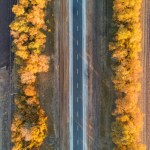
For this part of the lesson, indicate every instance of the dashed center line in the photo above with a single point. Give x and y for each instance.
(77, 99)
(77, 114)
(77, 57)
(77, 13)
(77, 85)
(77, 43)
(77, 142)
(77, 71)
(77, 28)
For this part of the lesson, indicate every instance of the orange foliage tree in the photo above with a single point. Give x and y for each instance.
(29, 127)
(125, 48)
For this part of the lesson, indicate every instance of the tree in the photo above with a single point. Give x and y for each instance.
(29, 124)
(37, 63)
(28, 78)
(125, 48)
(30, 90)
(18, 10)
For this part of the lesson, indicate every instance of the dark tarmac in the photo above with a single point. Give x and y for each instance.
(77, 76)
(6, 18)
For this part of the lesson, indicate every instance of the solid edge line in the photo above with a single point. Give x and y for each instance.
(84, 76)
(71, 74)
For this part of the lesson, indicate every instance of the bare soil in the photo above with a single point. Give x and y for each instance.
(46, 83)
(5, 109)
(101, 95)
(62, 45)
(56, 83)
(145, 96)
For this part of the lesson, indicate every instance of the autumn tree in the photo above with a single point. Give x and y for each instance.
(125, 48)
(29, 127)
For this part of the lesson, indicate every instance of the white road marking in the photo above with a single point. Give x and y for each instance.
(77, 43)
(77, 142)
(77, 13)
(77, 1)
(77, 56)
(77, 28)
(77, 114)
(77, 99)
(77, 85)
(77, 71)
(77, 128)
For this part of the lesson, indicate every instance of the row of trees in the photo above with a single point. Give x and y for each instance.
(28, 29)
(125, 48)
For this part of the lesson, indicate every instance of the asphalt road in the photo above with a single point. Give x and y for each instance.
(77, 76)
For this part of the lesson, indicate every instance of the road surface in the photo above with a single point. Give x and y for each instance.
(78, 75)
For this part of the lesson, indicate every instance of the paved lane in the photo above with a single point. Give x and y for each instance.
(77, 76)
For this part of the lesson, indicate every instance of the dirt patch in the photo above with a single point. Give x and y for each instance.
(62, 45)
(101, 96)
(5, 109)
(145, 96)
(54, 85)
(46, 82)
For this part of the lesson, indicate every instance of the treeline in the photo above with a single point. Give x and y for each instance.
(29, 127)
(126, 48)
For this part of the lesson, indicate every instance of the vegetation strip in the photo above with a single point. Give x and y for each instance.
(125, 48)
(29, 127)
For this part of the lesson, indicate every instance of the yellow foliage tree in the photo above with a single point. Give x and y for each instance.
(30, 90)
(125, 48)
(18, 10)
(28, 78)
(29, 127)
